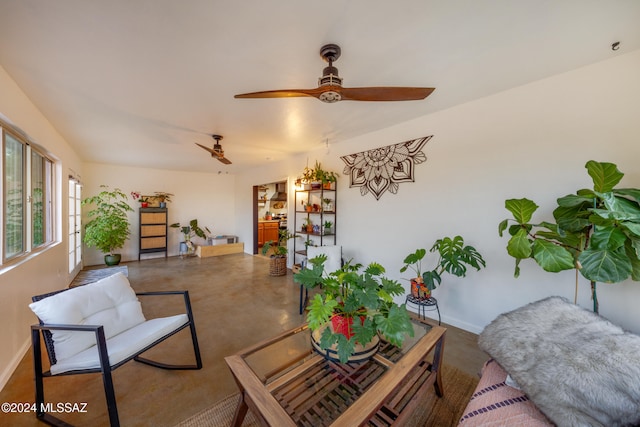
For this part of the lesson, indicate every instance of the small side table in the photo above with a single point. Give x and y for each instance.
(422, 304)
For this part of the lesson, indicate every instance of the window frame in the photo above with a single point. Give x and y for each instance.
(29, 213)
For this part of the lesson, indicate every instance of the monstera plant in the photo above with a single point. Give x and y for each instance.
(596, 231)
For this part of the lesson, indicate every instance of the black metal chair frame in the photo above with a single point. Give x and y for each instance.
(105, 368)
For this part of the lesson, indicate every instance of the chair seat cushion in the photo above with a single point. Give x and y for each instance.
(123, 345)
(110, 302)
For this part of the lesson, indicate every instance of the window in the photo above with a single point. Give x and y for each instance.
(27, 195)
(14, 197)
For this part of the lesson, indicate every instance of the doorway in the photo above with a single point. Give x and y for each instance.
(269, 212)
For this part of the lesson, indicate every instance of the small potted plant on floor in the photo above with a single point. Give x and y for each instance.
(354, 306)
(278, 258)
(189, 231)
(453, 258)
(108, 228)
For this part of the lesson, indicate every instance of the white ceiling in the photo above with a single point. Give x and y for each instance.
(138, 82)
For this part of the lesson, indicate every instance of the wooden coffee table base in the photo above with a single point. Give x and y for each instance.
(313, 391)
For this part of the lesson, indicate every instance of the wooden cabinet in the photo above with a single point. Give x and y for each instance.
(271, 231)
(153, 230)
(268, 231)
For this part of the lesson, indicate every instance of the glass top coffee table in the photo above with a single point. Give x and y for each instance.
(286, 383)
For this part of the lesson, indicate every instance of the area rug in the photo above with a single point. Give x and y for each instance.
(434, 411)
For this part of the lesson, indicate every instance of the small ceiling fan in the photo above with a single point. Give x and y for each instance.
(217, 150)
(330, 87)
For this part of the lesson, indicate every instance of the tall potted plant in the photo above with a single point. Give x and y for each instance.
(353, 293)
(453, 257)
(108, 228)
(597, 231)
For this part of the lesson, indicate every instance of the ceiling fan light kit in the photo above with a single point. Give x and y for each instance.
(330, 87)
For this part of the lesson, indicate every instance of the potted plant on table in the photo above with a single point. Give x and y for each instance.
(597, 231)
(353, 293)
(278, 259)
(108, 228)
(189, 231)
(453, 258)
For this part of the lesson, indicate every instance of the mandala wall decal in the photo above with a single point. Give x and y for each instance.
(384, 168)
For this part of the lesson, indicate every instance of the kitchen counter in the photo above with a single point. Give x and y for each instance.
(268, 220)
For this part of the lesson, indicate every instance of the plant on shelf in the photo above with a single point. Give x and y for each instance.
(306, 206)
(453, 258)
(162, 197)
(317, 176)
(327, 205)
(143, 200)
(108, 228)
(597, 231)
(307, 225)
(307, 243)
(327, 227)
(191, 230)
(353, 293)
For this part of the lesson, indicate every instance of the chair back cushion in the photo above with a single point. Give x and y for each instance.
(110, 302)
(333, 253)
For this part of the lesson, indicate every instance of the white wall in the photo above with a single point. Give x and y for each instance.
(46, 270)
(532, 141)
(209, 198)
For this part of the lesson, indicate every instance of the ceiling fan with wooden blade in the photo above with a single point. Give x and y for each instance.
(330, 87)
(217, 150)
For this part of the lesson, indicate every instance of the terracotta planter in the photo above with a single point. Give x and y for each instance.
(419, 290)
(144, 204)
(309, 228)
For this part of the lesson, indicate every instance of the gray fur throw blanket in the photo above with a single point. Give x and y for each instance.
(577, 367)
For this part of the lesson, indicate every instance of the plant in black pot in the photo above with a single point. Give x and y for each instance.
(453, 257)
(108, 227)
(353, 306)
(597, 231)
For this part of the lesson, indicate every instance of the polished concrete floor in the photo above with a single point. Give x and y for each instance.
(235, 304)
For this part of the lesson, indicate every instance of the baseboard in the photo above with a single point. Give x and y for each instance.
(13, 365)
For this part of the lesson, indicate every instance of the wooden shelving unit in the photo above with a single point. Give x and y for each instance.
(153, 230)
(317, 216)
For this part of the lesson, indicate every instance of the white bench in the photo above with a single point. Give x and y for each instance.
(97, 328)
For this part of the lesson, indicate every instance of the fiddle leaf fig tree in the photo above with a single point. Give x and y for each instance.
(596, 231)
